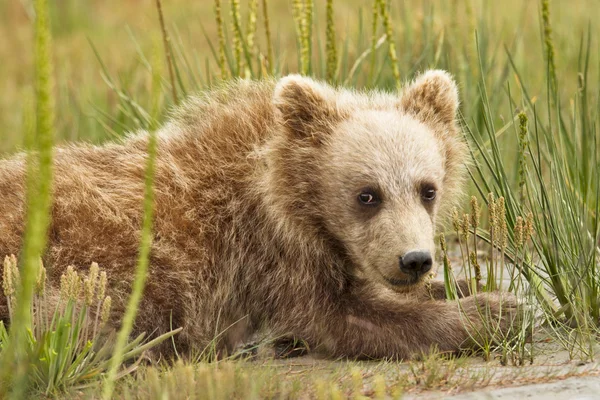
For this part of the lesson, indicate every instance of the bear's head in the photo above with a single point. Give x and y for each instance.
(370, 173)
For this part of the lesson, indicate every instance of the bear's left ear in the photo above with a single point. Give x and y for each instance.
(308, 108)
(432, 98)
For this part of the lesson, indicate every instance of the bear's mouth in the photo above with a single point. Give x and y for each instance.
(412, 280)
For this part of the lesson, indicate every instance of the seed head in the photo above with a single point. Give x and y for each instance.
(64, 287)
(491, 209)
(389, 31)
(89, 284)
(475, 264)
(102, 286)
(445, 251)
(330, 46)
(475, 211)
(16, 275)
(519, 232)
(237, 37)
(105, 309)
(88, 291)
(528, 227)
(501, 219)
(251, 24)
(7, 278)
(221, 35)
(455, 220)
(10, 276)
(443, 243)
(72, 283)
(464, 228)
(40, 284)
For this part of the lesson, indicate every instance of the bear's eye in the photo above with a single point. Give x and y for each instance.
(368, 197)
(428, 193)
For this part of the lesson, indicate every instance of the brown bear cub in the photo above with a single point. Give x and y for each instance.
(287, 206)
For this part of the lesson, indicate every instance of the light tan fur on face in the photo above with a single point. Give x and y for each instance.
(253, 228)
(396, 154)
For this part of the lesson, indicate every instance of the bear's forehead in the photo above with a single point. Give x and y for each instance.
(387, 146)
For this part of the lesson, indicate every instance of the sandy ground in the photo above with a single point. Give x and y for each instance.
(580, 388)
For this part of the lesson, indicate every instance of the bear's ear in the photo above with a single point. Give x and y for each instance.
(308, 108)
(432, 98)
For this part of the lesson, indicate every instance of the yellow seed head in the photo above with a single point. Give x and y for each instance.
(40, 284)
(455, 220)
(549, 44)
(330, 46)
(221, 34)
(105, 309)
(502, 227)
(443, 243)
(476, 266)
(64, 287)
(88, 291)
(102, 285)
(11, 280)
(491, 209)
(94, 271)
(251, 25)
(519, 232)
(445, 251)
(268, 35)
(90, 283)
(14, 267)
(464, 227)
(73, 282)
(7, 283)
(475, 211)
(528, 227)
(389, 31)
(237, 37)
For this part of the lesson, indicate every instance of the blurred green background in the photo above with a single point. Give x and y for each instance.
(427, 33)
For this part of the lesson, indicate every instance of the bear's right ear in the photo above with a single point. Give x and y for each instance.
(308, 108)
(432, 97)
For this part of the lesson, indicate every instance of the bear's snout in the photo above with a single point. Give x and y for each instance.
(416, 262)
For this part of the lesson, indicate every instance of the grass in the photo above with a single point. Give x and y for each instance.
(529, 109)
(39, 139)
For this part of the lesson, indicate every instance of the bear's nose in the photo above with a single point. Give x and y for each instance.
(416, 261)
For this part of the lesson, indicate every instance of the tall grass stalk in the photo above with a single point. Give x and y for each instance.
(303, 10)
(251, 25)
(389, 31)
(331, 49)
(167, 44)
(309, 7)
(221, 36)
(39, 199)
(270, 64)
(237, 36)
(141, 272)
(374, 26)
(548, 43)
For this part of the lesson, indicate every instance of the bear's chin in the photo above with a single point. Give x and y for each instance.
(404, 282)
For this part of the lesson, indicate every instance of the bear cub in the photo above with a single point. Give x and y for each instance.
(288, 206)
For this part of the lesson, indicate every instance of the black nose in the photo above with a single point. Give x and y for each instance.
(417, 261)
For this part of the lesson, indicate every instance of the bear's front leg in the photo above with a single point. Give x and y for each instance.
(365, 326)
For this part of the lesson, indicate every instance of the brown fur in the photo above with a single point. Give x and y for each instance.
(256, 223)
